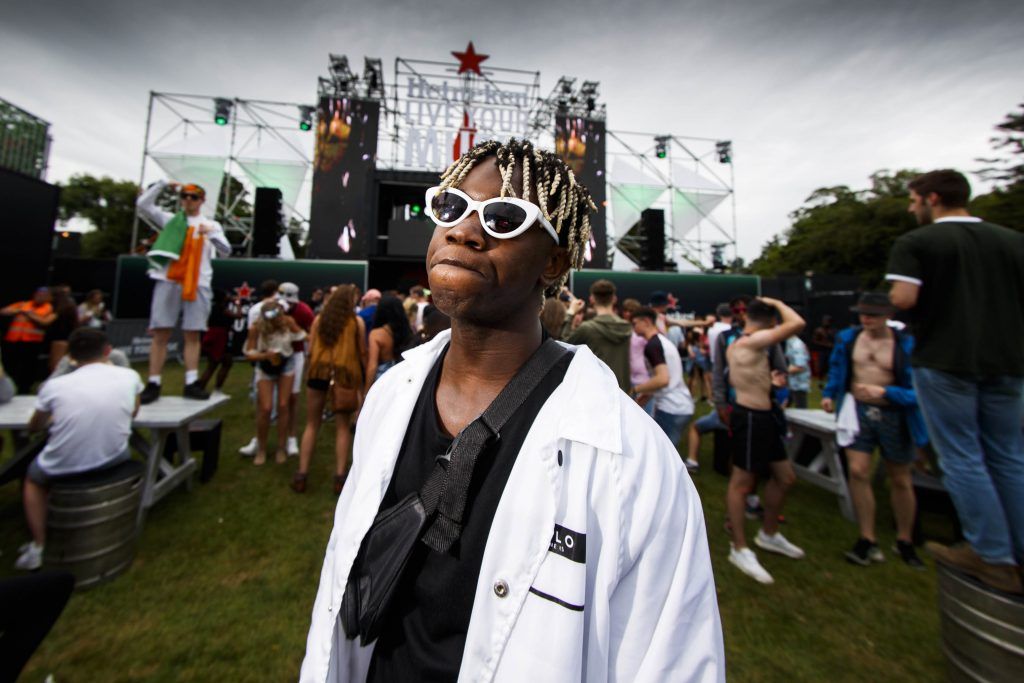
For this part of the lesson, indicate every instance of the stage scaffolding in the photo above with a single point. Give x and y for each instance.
(260, 145)
(689, 183)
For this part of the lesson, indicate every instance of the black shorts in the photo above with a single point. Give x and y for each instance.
(756, 439)
(318, 384)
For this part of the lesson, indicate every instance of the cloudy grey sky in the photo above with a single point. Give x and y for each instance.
(812, 92)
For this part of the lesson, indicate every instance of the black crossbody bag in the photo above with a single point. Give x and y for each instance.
(434, 514)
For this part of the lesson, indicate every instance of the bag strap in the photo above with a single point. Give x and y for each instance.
(447, 487)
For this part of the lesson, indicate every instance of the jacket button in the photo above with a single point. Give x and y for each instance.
(500, 588)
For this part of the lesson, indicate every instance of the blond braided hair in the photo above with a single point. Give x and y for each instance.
(563, 201)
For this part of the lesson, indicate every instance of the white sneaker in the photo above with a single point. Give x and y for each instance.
(249, 449)
(777, 544)
(746, 561)
(293, 446)
(31, 559)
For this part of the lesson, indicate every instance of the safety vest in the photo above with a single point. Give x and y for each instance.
(23, 329)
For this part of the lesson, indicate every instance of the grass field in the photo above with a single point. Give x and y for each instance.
(225, 576)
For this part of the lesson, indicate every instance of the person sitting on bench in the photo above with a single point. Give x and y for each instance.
(89, 414)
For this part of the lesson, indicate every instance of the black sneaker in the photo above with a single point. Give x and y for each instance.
(150, 393)
(864, 552)
(195, 390)
(907, 554)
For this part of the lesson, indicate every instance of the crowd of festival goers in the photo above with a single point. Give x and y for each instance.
(746, 358)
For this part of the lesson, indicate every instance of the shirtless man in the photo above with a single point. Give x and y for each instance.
(871, 362)
(756, 444)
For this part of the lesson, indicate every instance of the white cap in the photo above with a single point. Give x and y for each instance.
(289, 291)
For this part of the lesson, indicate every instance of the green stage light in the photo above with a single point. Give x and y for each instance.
(416, 209)
(661, 146)
(305, 118)
(222, 111)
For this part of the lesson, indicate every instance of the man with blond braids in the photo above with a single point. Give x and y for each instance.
(181, 264)
(531, 521)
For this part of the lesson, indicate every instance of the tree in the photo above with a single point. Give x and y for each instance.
(1009, 170)
(108, 204)
(842, 231)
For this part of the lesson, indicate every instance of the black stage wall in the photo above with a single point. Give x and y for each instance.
(28, 212)
(697, 293)
(581, 143)
(341, 217)
(236, 276)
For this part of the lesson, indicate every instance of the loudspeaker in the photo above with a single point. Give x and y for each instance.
(653, 224)
(267, 222)
(29, 210)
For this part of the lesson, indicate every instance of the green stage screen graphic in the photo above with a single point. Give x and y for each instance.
(697, 293)
(237, 277)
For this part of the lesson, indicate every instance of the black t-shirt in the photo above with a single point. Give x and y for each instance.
(424, 635)
(969, 317)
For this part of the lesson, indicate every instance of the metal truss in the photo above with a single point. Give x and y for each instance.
(713, 235)
(173, 116)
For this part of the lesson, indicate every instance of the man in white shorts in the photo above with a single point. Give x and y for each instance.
(183, 275)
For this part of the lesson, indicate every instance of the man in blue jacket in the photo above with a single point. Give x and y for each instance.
(870, 364)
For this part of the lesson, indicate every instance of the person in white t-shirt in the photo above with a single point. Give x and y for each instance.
(89, 414)
(169, 302)
(673, 405)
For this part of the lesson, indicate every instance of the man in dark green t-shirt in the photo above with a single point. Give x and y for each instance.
(963, 281)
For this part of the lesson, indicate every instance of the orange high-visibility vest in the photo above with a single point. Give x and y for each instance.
(23, 329)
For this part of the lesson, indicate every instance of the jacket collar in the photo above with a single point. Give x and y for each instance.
(595, 391)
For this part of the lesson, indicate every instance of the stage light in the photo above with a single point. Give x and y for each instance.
(724, 149)
(416, 209)
(588, 93)
(661, 146)
(222, 111)
(373, 76)
(305, 117)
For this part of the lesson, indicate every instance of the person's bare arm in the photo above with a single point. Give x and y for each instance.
(903, 295)
(659, 380)
(791, 324)
(373, 356)
(39, 421)
(250, 347)
(12, 309)
(361, 340)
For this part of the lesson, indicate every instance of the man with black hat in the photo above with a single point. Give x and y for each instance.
(181, 263)
(869, 377)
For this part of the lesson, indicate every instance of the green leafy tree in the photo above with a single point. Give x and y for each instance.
(107, 204)
(1008, 170)
(842, 231)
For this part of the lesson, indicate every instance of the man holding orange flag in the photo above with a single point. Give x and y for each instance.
(180, 262)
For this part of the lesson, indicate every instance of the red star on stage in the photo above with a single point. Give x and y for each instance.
(245, 291)
(470, 60)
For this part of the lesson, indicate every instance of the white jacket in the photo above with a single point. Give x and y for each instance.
(597, 466)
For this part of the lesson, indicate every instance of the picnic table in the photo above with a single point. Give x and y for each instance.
(168, 415)
(825, 469)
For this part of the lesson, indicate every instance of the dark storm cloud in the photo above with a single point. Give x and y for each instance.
(812, 93)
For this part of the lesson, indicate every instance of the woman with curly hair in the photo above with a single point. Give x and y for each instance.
(269, 344)
(391, 334)
(336, 357)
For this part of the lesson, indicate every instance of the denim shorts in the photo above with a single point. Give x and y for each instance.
(884, 428)
(288, 365)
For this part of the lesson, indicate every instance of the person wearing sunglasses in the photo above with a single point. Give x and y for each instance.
(181, 263)
(556, 534)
